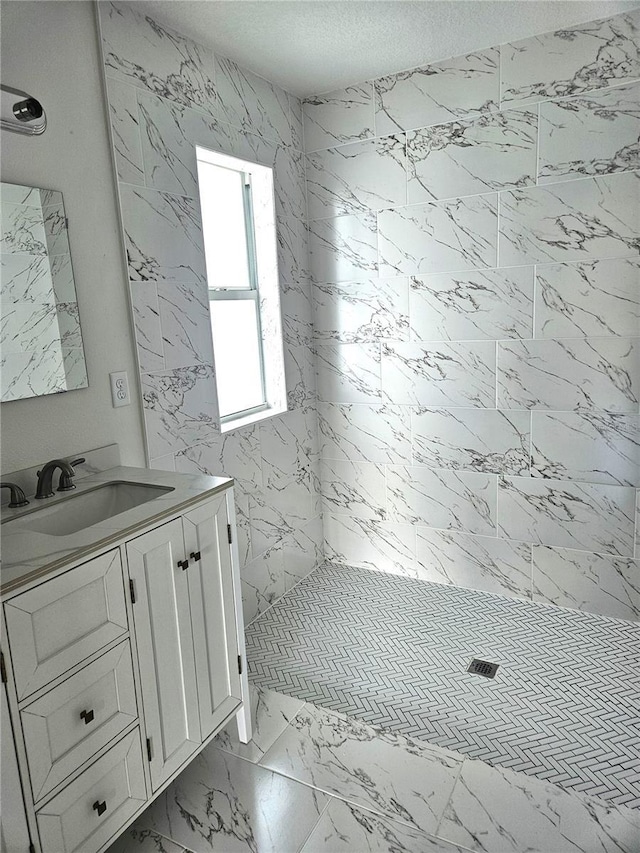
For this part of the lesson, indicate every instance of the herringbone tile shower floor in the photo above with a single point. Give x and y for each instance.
(564, 705)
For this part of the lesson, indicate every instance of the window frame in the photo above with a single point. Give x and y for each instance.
(266, 277)
(250, 293)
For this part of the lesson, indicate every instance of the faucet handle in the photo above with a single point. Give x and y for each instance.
(17, 497)
(66, 483)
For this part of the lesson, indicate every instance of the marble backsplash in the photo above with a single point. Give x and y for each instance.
(474, 251)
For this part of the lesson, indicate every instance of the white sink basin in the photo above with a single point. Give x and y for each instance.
(87, 508)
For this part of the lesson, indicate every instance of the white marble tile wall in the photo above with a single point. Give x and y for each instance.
(167, 94)
(475, 266)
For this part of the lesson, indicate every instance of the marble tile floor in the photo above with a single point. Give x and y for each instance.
(393, 651)
(315, 781)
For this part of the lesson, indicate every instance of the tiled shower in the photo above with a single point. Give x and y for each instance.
(459, 269)
(473, 245)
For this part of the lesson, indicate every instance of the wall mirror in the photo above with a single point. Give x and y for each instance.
(41, 349)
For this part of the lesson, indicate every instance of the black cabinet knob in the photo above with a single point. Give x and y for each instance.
(195, 555)
(87, 716)
(184, 564)
(99, 807)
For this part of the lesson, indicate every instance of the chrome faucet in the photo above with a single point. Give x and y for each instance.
(45, 477)
(17, 498)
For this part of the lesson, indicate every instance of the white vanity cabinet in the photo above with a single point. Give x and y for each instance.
(118, 670)
(185, 629)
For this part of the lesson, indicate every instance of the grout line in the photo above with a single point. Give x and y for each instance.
(538, 150)
(450, 797)
(540, 188)
(471, 115)
(496, 373)
(297, 583)
(313, 828)
(531, 568)
(374, 122)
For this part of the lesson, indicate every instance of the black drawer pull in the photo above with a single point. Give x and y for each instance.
(184, 564)
(195, 555)
(99, 807)
(87, 716)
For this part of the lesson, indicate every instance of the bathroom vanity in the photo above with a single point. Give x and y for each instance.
(122, 651)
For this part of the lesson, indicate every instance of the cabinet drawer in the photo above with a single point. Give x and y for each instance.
(70, 822)
(70, 723)
(61, 622)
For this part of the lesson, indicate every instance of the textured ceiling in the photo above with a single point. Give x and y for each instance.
(313, 46)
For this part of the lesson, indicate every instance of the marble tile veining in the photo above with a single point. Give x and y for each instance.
(362, 311)
(136, 838)
(450, 500)
(163, 236)
(370, 433)
(473, 305)
(495, 810)
(252, 103)
(235, 453)
(595, 447)
(341, 116)
(570, 61)
(348, 373)
(571, 221)
(588, 299)
(169, 133)
(436, 93)
(222, 803)
(180, 408)
(383, 546)
(439, 374)
(302, 551)
(125, 127)
(596, 134)
(595, 582)
(565, 374)
(262, 580)
(185, 323)
(140, 51)
(367, 175)
(271, 713)
(146, 313)
(344, 828)
(326, 749)
(474, 562)
(494, 151)
(585, 516)
(354, 488)
(344, 248)
(484, 440)
(428, 238)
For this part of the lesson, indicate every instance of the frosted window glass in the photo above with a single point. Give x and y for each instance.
(236, 345)
(225, 237)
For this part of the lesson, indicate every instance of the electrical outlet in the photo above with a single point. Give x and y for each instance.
(119, 389)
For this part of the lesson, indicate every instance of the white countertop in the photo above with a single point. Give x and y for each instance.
(27, 555)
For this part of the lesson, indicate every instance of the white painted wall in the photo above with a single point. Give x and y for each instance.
(51, 51)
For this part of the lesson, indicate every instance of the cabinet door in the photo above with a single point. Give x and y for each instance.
(64, 620)
(212, 613)
(165, 647)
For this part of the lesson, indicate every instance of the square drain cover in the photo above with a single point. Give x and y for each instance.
(483, 667)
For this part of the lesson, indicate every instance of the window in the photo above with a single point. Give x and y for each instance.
(240, 255)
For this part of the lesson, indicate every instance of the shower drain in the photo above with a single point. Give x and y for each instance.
(483, 667)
